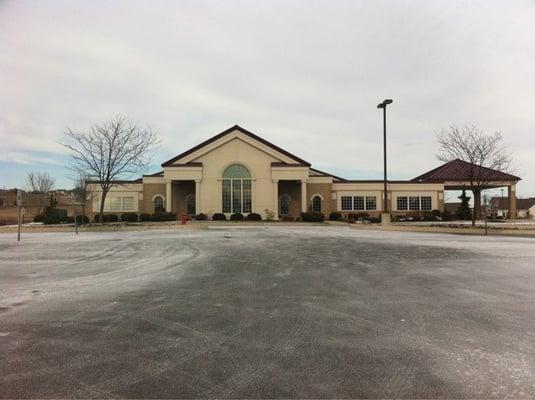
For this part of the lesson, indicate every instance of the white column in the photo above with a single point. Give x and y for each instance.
(276, 198)
(198, 196)
(303, 196)
(168, 191)
(511, 191)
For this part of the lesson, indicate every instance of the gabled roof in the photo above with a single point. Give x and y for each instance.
(228, 131)
(459, 170)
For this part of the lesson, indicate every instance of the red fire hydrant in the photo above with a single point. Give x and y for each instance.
(184, 218)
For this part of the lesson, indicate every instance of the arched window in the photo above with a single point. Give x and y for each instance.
(284, 205)
(236, 189)
(190, 204)
(316, 204)
(159, 205)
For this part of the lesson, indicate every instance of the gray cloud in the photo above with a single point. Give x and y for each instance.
(306, 75)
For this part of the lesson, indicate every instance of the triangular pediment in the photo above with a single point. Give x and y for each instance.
(235, 132)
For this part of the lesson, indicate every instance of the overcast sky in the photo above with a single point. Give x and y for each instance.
(306, 75)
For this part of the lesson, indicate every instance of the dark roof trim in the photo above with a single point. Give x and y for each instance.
(119, 181)
(160, 173)
(327, 174)
(227, 131)
(191, 164)
(283, 164)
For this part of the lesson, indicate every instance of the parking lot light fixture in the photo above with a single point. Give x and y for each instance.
(383, 105)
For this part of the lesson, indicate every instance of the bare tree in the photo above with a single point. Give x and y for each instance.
(82, 194)
(113, 150)
(485, 152)
(40, 183)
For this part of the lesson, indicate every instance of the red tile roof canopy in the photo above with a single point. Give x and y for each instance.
(245, 132)
(459, 170)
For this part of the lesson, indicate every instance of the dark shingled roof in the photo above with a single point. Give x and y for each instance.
(459, 170)
(245, 132)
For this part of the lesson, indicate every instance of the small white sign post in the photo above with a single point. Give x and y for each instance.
(19, 205)
(486, 201)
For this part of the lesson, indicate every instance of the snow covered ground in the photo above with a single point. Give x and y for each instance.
(520, 223)
(267, 312)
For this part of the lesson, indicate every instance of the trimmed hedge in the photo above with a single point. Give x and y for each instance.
(163, 216)
(253, 217)
(200, 217)
(362, 216)
(107, 218)
(145, 217)
(219, 217)
(312, 216)
(236, 217)
(335, 216)
(52, 217)
(129, 217)
(157, 217)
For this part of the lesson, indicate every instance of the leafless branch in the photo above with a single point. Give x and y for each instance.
(485, 153)
(40, 184)
(113, 150)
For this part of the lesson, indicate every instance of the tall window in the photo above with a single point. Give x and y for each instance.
(347, 203)
(128, 203)
(115, 204)
(425, 203)
(236, 190)
(118, 203)
(284, 204)
(316, 204)
(403, 203)
(414, 203)
(371, 203)
(190, 204)
(359, 202)
(158, 204)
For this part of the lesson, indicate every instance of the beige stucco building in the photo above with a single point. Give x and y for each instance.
(237, 171)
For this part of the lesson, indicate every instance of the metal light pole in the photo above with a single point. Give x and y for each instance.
(383, 106)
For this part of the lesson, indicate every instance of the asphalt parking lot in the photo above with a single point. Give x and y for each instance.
(267, 312)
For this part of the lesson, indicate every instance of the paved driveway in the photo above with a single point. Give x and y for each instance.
(267, 312)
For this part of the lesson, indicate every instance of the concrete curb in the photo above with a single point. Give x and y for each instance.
(451, 230)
